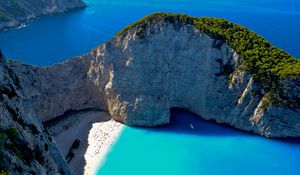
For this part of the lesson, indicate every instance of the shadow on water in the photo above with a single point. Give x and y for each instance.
(179, 149)
(295, 141)
(185, 122)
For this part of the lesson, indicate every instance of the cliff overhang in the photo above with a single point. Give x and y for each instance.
(209, 66)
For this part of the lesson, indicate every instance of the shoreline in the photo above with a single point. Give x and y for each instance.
(24, 21)
(95, 134)
(101, 138)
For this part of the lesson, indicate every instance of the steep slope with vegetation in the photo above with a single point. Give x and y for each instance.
(268, 64)
(223, 71)
(14, 12)
(214, 68)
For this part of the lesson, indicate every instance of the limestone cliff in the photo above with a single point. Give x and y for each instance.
(14, 12)
(166, 61)
(202, 65)
(26, 147)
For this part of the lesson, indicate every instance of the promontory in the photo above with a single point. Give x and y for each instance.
(216, 69)
(14, 12)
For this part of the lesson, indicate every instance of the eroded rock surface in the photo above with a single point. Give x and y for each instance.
(26, 147)
(142, 73)
(175, 65)
(137, 77)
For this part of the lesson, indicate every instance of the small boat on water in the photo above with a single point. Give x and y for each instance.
(192, 126)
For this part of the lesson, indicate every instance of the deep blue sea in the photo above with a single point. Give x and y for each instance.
(55, 38)
(175, 149)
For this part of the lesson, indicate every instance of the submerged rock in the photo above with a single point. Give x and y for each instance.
(161, 62)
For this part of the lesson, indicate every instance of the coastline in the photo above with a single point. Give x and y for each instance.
(22, 21)
(96, 133)
(101, 139)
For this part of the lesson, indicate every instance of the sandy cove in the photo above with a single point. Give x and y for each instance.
(96, 133)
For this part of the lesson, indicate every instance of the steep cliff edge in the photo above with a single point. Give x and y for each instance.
(13, 13)
(25, 146)
(214, 68)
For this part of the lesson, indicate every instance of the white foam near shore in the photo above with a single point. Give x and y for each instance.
(101, 138)
(96, 132)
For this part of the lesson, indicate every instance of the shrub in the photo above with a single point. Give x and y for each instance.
(4, 173)
(11, 133)
(268, 64)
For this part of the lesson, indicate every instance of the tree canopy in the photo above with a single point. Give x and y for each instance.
(268, 64)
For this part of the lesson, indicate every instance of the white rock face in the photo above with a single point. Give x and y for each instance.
(177, 66)
(138, 76)
(31, 150)
(63, 87)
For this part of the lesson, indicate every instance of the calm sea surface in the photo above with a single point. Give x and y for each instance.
(175, 149)
(208, 149)
(55, 38)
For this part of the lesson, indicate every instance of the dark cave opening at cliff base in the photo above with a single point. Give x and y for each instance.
(183, 121)
(178, 148)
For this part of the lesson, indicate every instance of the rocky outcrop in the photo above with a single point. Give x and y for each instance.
(161, 62)
(13, 13)
(156, 65)
(60, 88)
(175, 65)
(26, 147)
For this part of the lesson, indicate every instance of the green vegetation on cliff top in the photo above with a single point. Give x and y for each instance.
(268, 64)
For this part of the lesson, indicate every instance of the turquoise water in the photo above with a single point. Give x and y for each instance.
(208, 149)
(56, 38)
(175, 149)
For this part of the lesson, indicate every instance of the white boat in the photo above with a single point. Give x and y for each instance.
(192, 126)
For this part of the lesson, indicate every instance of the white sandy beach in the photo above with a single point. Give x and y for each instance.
(96, 133)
